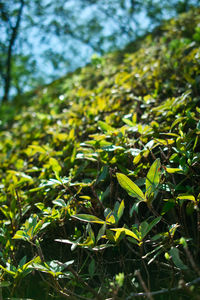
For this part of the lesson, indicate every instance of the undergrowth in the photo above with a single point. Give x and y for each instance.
(100, 175)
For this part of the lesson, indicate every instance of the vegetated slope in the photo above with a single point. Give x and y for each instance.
(100, 177)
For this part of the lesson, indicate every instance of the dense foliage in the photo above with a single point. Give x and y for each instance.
(100, 176)
(42, 40)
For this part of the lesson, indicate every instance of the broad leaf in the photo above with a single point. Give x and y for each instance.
(153, 177)
(132, 189)
(176, 259)
(105, 127)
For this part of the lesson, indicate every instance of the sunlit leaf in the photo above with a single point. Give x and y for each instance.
(120, 210)
(132, 189)
(186, 197)
(127, 232)
(21, 235)
(88, 218)
(153, 177)
(173, 170)
(105, 127)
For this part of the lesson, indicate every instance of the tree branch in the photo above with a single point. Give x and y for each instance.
(163, 291)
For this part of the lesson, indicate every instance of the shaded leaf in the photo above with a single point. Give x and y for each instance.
(174, 252)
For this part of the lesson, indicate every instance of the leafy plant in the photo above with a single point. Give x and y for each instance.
(99, 191)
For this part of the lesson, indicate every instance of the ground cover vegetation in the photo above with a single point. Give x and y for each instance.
(100, 176)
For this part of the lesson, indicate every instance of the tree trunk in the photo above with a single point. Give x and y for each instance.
(8, 76)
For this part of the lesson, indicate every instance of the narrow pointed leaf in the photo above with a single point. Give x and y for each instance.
(88, 218)
(173, 170)
(186, 197)
(120, 210)
(101, 232)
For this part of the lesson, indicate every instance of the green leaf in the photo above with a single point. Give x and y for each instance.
(110, 236)
(120, 210)
(153, 177)
(134, 208)
(128, 232)
(132, 189)
(89, 242)
(55, 167)
(110, 218)
(29, 264)
(101, 232)
(186, 197)
(91, 268)
(21, 235)
(5, 284)
(8, 271)
(174, 252)
(119, 235)
(145, 227)
(59, 202)
(88, 218)
(22, 262)
(105, 127)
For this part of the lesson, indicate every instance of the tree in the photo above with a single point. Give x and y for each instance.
(64, 33)
(12, 32)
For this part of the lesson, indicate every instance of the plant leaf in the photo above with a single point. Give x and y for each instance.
(120, 210)
(176, 259)
(173, 170)
(145, 227)
(153, 177)
(91, 268)
(105, 127)
(186, 197)
(127, 232)
(88, 218)
(132, 189)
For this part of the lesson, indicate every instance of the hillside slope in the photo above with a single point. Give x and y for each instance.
(100, 177)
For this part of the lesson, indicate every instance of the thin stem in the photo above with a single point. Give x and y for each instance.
(147, 292)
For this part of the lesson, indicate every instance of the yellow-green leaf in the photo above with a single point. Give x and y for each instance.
(120, 210)
(173, 170)
(55, 165)
(153, 177)
(105, 127)
(132, 189)
(186, 197)
(127, 232)
(88, 218)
